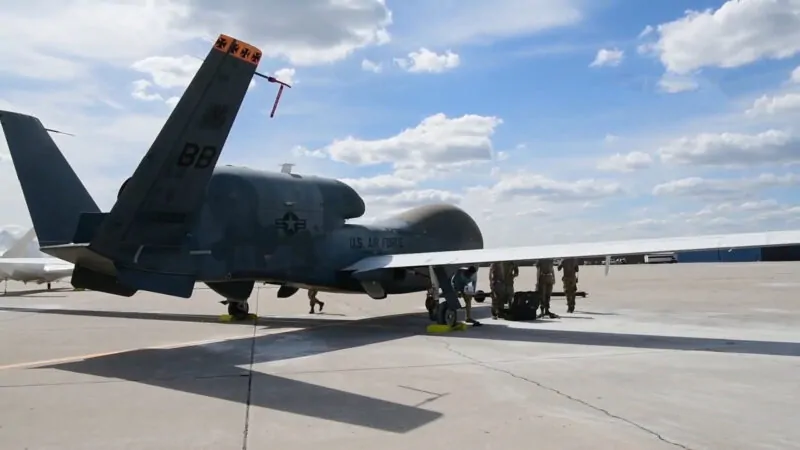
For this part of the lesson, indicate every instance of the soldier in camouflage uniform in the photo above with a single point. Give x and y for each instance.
(545, 279)
(313, 301)
(501, 279)
(570, 280)
(497, 287)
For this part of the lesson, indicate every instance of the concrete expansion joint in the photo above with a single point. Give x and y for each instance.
(605, 412)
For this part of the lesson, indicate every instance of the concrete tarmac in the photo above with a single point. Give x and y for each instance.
(686, 356)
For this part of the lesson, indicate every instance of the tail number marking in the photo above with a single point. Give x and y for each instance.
(195, 156)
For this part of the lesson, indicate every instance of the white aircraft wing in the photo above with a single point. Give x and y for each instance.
(58, 267)
(588, 249)
(32, 261)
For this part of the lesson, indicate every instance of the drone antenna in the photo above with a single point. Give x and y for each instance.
(59, 132)
(280, 90)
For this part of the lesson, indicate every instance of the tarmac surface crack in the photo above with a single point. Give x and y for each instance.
(605, 412)
(246, 430)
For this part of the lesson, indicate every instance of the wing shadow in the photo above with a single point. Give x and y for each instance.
(185, 369)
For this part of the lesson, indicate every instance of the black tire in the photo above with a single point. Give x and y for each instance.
(450, 317)
(430, 305)
(440, 313)
(480, 296)
(239, 310)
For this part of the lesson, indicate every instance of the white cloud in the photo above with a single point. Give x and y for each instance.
(704, 187)
(733, 149)
(141, 91)
(795, 76)
(540, 188)
(628, 162)
(305, 33)
(169, 72)
(412, 198)
(737, 33)
(608, 58)
(91, 30)
(436, 141)
(371, 66)
(174, 73)
(425, 60)
(673, 84)
(118, 33)
(738, 207)
(768, 105)
(286, 75)
(380, 185)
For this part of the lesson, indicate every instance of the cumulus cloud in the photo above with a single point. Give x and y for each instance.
(371, 66)
(733, 149)
(711, 187)
(769, 105)
(628, 162)
(673, 84)
(436, 141)
(304, 33)
(607, 58)
(737, 33)
(385, 184)
(425, 60)
(286, 75)
(412, 198)
(308, 32)
(541, 188)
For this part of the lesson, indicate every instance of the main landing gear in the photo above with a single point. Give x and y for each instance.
(446, 312)
(237, 309)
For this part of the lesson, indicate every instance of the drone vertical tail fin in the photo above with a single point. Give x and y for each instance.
(54, 194)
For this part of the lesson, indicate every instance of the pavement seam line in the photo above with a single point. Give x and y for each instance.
(568, 397)
(246, 430)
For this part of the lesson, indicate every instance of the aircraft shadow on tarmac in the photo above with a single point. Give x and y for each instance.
(271, 322)
(24, 293)
(211, 369)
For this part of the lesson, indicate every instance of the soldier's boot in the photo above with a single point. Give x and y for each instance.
(546, 308)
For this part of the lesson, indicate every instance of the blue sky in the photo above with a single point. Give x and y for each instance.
(666, 133)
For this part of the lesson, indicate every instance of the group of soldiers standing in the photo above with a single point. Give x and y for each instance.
(501, 280)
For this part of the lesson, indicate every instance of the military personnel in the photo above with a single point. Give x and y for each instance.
(463, 278)
(545, 279)
(313, 301)
(498, 287)
(501, 278)
(570, 280)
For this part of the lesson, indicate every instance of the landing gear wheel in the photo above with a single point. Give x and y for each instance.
(480, 296)
(238, 310)
(446, 316)
(48, 286)
(430, 305)
(450, 317)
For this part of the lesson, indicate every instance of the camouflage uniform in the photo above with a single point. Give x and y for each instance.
(501, 278)
(497, 288)
(545, 279)
(570, 280)
(312, 300)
